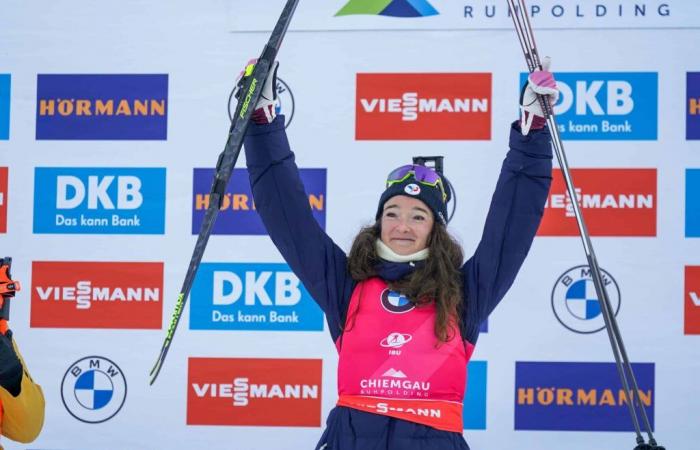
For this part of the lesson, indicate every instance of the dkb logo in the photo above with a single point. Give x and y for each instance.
(233, 296)
(606, 105)
(99, 200)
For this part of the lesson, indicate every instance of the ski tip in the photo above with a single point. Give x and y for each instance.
(153, 377)
(155, 369)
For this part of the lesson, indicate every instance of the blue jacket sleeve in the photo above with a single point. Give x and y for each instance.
(512, 221)
(283, 205)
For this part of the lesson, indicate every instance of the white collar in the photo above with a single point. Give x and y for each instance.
(384, 252)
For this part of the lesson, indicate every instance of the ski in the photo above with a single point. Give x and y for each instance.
(526, 38)
(251, 89)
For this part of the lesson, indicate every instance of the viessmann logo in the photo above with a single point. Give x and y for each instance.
(96, 294)
(102, 107)
(578, 396)
(692, 300)
(257, 392)
(237, 214)
(412, 106)
(614, 202)
(237, 296)
(103, 200)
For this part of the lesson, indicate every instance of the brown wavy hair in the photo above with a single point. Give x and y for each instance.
(438, 280)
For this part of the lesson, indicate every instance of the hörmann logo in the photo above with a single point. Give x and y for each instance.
(102, 107)
(607, 105)
(99, 200)
(692, 203)
(237, 296)
(614, 202)
(571, 396)
(413, 106)
(96, 294)
(237, 213)
(692, 120)
(3, 198)
(575, 301)
(5, 85)
(692, 300)
(258, 392)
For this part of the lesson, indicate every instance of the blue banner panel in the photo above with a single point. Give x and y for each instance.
(102, 107)
(5, 88)
(237, 215)
(606, 106)
(104, 200)
(257, 296)
(474, 414)
(692, 203)
(570, 396)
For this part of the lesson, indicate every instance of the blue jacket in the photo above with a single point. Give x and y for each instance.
(514, 215)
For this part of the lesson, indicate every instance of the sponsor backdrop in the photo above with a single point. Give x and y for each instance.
(112, 115)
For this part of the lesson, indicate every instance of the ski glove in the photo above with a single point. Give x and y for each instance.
(265, 109)
(538, 82)
(10, 367)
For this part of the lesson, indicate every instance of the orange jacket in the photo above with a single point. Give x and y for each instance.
(22, 417)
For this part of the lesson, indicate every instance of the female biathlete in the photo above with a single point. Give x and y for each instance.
(403, 308)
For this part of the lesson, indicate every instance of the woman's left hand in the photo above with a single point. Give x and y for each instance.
(539, 82)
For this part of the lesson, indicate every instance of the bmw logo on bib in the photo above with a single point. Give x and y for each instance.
(575, 301)
(395, 302)
(93, 389)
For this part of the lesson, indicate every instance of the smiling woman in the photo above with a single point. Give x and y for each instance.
(403, 308)
(406, 225)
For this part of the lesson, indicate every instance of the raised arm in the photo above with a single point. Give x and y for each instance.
(282, 203)
(512, 221)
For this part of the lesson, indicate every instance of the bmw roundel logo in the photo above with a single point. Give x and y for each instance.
(93, 389)
(575, 301)
(395, 302)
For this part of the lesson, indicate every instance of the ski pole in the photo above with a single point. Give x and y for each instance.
(527, 42)
(251, 89)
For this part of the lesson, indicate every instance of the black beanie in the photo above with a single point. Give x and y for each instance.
(430, 195)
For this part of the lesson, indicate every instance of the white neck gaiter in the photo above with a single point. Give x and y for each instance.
(387, 254)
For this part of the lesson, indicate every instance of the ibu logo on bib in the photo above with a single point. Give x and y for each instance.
(606, 106)
(237, 296)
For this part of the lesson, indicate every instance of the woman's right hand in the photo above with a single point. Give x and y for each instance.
(266, 107)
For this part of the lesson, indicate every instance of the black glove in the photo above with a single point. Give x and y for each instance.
(10, 367)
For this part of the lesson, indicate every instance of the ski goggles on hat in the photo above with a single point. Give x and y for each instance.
(422, 174)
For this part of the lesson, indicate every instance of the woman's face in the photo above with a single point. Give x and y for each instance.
(406, 224)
